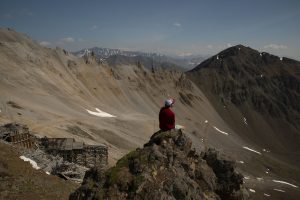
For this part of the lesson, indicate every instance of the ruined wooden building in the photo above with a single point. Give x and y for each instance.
(69, 149)
(76, 152)
(17, 134)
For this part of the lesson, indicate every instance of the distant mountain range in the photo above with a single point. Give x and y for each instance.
(113, 56)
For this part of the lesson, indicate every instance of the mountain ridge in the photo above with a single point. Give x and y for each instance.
(154, 59)
(242, 81)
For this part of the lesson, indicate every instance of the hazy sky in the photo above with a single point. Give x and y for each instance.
(180, 27)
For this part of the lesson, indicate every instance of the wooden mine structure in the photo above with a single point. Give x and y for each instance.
(76, 152)
(69, 149)
(17, 134)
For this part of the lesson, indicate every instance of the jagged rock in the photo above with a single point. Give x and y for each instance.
(166, 168)
(227, 180)
(184, 83)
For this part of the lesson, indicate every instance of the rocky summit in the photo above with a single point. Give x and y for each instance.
(166, 168)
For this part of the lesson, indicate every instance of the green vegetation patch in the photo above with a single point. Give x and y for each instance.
(114, 172)
(121, 173)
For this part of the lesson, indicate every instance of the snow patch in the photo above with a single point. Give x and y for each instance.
(217, 57)
(245, 121)
(259, 179)
(267, 172)
(100, 113)
(48, 173)
(220, 131)
(177, 127)
(260, 54)
(240, 161)
(261, 76)
(206, 122)
(279, 190)
(251, 190)
(280, 58)
(283, 182)
(246, 177)
(265, 150)
(252, 150)
(32, 162)
(267, 195)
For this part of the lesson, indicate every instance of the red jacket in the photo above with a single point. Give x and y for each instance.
(166, 119)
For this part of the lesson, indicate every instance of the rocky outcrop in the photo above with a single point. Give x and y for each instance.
(166, 168)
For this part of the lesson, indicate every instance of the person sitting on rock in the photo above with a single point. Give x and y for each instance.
(167, 116)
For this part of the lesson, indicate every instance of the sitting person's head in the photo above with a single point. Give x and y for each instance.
(169, 102)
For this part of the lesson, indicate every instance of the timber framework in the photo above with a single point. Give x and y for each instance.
(17, 134)
(67, 148)
(76, 152)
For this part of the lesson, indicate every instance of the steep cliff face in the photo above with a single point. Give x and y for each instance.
(166, 168)
(259, 88)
